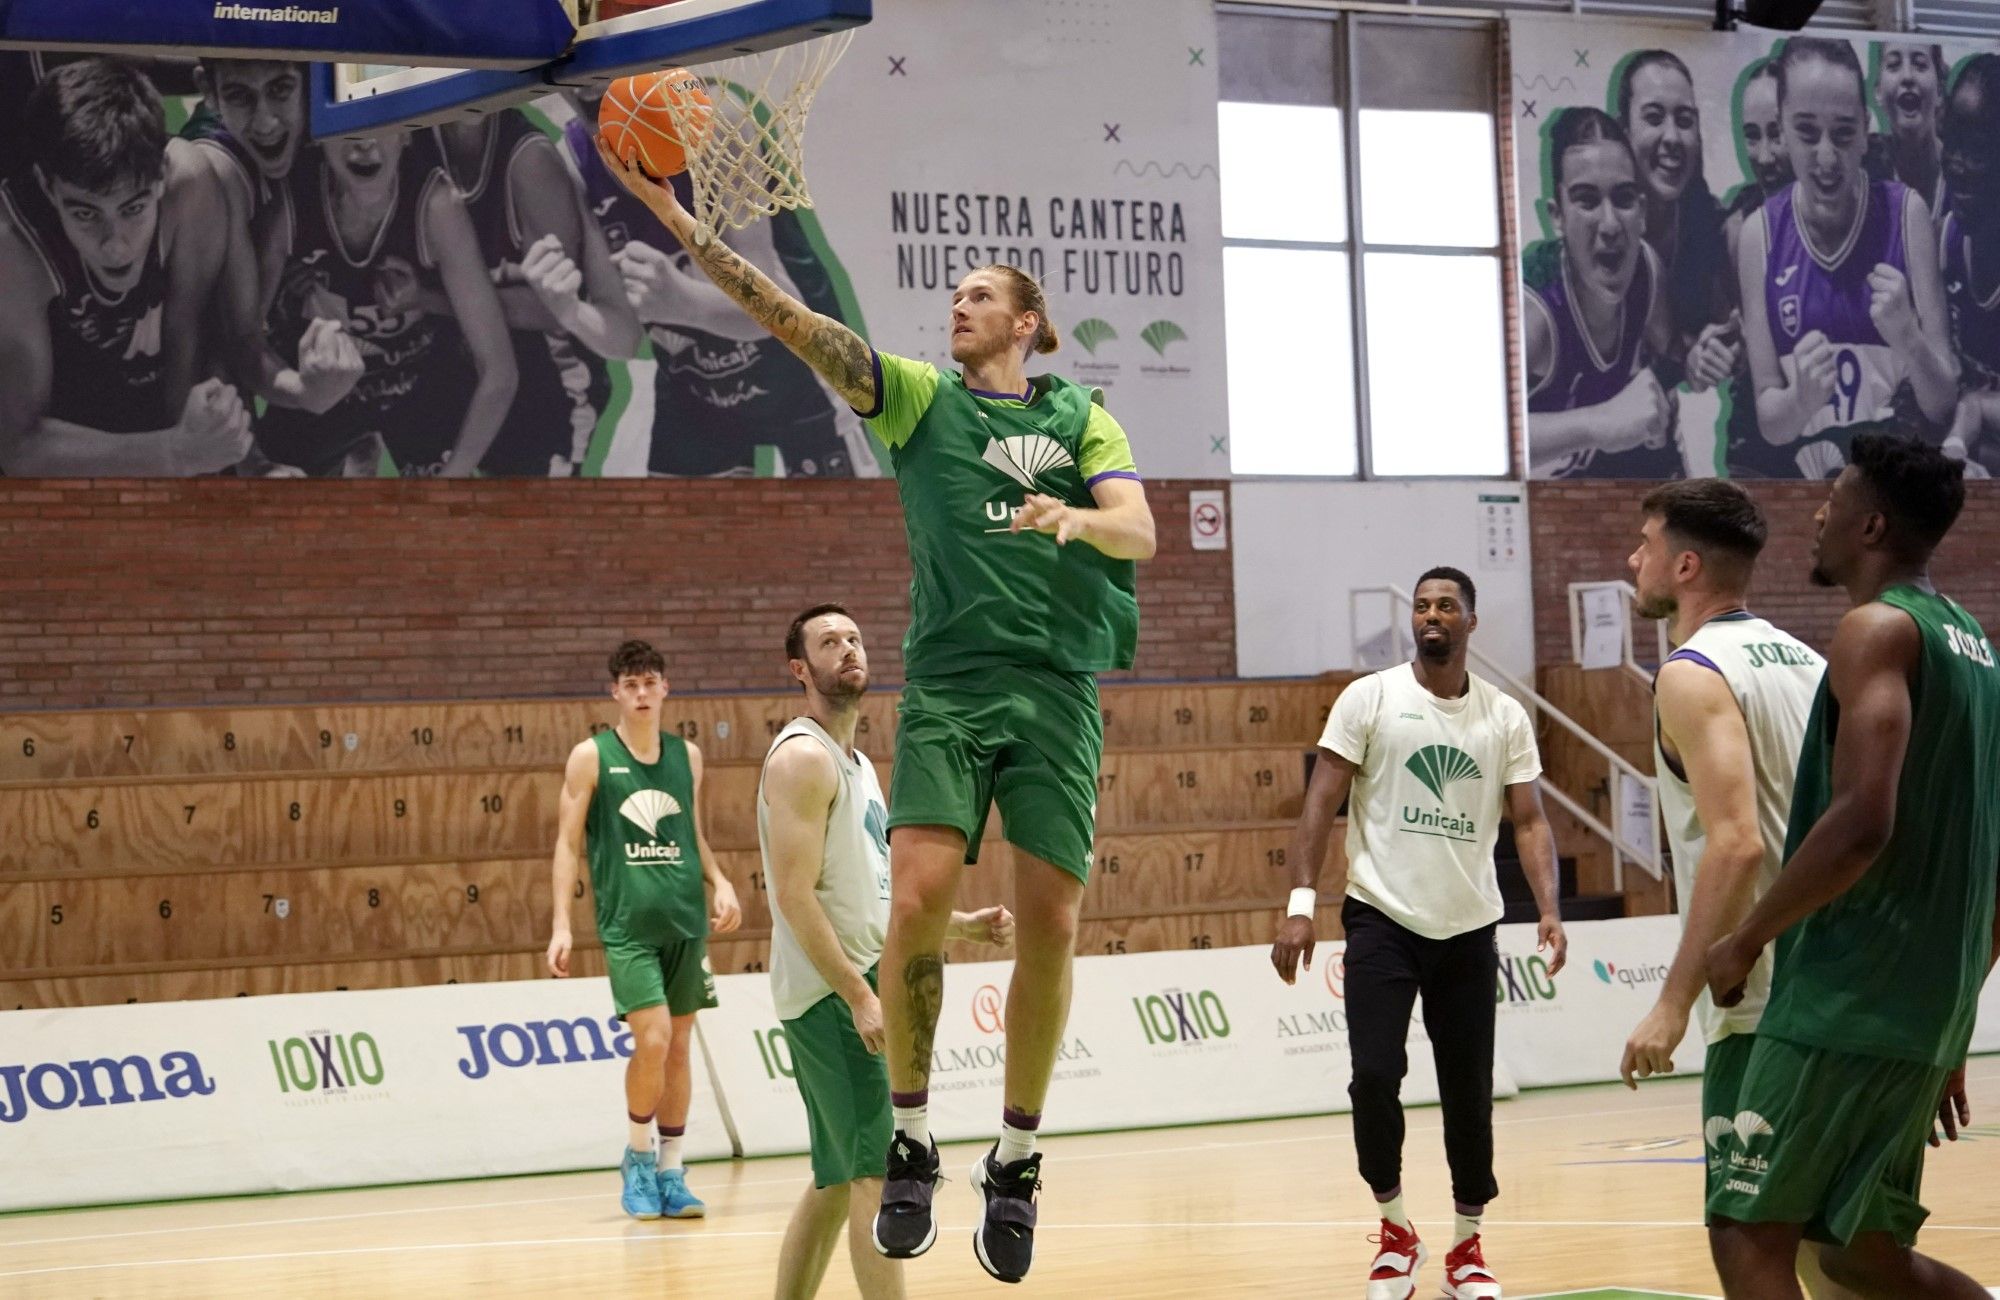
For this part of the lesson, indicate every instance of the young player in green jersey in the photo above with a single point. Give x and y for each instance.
(1883, 914)
(1025, 514)
(631, 794)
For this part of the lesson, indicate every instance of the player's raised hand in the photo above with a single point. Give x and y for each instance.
(554, 277)
(558, 955)
(725, 914)
(655, 195)
(1890, 306)
(1819, 370)
(329, 365)
(1045, 514)
(1295, 941)
(214, 429)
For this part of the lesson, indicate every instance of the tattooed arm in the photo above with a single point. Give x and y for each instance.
(839, 355)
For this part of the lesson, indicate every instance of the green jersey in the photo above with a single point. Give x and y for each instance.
(645, 862)
(964, 462)
(1893, 967)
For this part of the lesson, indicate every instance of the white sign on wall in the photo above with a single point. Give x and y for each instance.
(1113, 202)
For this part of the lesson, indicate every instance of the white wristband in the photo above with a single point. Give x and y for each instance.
(1303, 902)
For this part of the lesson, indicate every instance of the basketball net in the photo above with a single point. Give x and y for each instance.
(750, 160)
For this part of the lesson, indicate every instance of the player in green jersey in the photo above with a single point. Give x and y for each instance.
(631, 794)
(1025, 515)
(1883, 913)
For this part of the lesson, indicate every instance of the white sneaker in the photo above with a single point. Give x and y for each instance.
(1394, 1273)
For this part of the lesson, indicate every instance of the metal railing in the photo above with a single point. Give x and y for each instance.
(1621, 776)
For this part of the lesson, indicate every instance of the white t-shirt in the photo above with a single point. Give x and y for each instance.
(1428, 796)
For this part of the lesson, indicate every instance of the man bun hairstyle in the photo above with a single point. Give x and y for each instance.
(1027, 294)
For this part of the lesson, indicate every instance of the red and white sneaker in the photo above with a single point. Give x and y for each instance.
(1466, 1276)
(1394, 1276)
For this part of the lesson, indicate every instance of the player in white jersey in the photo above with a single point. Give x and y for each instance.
(823, 827)
(1435, 757)
(1730, 710)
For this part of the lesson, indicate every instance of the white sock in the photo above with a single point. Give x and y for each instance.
(914, 1122)
(670, 1150)
(1015, 1144)
(639, 1134)
(1392, 1210)
(1465, 1226)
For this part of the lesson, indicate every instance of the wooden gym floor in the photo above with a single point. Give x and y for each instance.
(1601, 1189)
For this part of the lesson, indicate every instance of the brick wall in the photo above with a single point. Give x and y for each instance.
(1584, 531)
(229, 591)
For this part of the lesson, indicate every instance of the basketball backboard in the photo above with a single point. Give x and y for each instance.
(350, 98)
(511, 34)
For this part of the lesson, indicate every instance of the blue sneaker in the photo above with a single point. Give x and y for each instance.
(676, 1201)
(641, 1198)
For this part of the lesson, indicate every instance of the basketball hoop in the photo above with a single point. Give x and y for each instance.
(748, 160)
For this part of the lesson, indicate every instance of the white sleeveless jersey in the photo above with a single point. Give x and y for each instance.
(1774, 678)
(853, 886)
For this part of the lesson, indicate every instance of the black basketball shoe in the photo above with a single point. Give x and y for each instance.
(905, 1226)
(1005, 1238)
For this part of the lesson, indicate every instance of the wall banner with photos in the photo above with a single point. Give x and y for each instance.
(1742, 249)
(190, 285)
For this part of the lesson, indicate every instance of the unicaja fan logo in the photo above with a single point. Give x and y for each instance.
(1438, 766)
(1025, 456)
(989, 1009)
(284, 14)
(646, 809)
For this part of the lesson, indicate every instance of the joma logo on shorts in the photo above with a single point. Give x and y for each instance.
(1738, 1185)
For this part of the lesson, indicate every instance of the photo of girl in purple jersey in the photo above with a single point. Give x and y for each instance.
(1909, 98)
(1969, 252)
(1656, 103)
(1596, 314)
(1760, 147)
(1843, 306)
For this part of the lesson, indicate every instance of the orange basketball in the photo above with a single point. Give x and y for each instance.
(636, 120)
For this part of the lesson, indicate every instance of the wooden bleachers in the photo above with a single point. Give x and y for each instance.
(155, 854)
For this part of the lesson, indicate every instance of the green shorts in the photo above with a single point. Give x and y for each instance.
(846, 1091)
(1028, 740)
(645, 975)
(1830, 1140)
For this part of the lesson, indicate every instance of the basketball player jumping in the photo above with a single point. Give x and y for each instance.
(631, 794)
(1883, 914)
(1024, 513)
(824, 833)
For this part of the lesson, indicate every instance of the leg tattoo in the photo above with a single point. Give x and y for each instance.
(923, 979)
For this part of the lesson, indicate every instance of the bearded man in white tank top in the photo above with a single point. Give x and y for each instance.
(1730, 710)
(823, 827)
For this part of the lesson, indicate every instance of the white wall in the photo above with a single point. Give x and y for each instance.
(1301, 547)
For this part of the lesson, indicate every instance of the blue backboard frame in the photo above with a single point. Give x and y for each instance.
(510, 34)
(689, 32)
